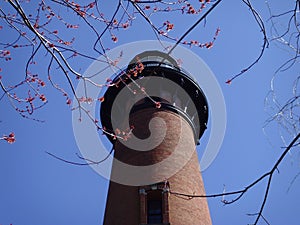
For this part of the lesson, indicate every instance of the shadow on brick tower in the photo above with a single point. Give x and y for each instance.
(155, 115)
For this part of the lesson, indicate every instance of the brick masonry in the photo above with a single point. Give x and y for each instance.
(123, 202)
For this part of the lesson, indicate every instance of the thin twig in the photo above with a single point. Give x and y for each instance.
(90, 162)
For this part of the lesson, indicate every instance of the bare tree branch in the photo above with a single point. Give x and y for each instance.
(241, 192)
(88, 163)
(265, 44)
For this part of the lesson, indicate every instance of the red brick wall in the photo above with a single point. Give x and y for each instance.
(123, 203)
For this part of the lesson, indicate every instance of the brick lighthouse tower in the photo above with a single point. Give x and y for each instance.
(155, 115)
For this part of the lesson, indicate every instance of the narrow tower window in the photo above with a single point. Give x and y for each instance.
(154, 204)
(154, 207)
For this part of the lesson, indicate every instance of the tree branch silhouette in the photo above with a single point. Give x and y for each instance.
(240, 193)
(34, 32)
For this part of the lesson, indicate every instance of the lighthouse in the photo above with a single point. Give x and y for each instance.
(154, 114)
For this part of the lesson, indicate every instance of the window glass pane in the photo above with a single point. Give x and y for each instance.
(154, 211)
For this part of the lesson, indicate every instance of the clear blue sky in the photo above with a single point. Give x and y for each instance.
(36, 189)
